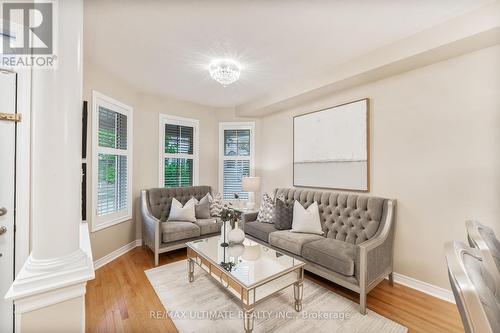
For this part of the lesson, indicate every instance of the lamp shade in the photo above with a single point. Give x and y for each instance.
(250, 184)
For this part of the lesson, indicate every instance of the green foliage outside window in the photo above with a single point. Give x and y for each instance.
(108, 171)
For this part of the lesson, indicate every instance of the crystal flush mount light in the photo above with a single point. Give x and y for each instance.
(225, 71)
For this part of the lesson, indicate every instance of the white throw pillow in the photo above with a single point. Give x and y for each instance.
(306, 220)
(180, 213)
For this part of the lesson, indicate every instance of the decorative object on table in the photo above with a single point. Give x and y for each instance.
(331, 147)
(283, 214)
(224, 230)
(178, 212)
(215, 204)
(250, 185)
(228, 214)
(236, 236)
(306, 220)
(265, 214)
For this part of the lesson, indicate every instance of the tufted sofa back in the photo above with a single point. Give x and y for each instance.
(350, 218)
(160, 199)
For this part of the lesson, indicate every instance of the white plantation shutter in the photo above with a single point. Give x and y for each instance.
(178, 172)
(179, 139)
(178, 151)
(112, 158)
(112, 165)
(233, 171)
(237, 157)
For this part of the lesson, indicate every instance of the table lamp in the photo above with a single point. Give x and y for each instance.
(250, 185)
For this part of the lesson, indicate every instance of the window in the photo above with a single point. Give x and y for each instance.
(112, 161)
(178, 151)
(236, 141)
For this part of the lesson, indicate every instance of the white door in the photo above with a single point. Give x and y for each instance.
(7, 178)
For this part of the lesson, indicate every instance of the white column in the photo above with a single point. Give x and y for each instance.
(60, 262)
(57, 122)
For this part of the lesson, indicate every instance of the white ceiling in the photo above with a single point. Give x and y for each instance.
(164, 47)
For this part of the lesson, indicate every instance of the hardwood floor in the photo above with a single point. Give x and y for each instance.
(120, 299)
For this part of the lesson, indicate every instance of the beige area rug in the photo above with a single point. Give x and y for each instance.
(204, 306)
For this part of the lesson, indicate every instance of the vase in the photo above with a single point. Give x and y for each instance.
(236, 236)
(224, 233)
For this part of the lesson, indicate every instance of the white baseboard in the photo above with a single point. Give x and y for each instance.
(116, 253)
(427, 288)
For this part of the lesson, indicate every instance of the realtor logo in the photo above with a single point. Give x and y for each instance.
(36, 37)
(27, 35)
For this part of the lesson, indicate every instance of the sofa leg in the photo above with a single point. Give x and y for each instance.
(391, 278)
(362, 302)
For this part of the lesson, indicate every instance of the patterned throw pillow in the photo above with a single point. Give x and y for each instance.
(283, 215)
(215, 204)
(266, 209)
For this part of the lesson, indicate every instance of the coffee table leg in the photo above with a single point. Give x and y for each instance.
(248, 320)
(298, 291)
(190, 270)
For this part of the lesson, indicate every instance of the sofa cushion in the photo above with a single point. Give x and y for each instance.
(208, 226)
(291, 241)
(266, 210)
(259, 230)
(177, 230)
(336, 255)
(306, 220)
(202, 210)
(180, 212)
(283, 215)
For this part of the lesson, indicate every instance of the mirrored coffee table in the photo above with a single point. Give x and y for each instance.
(250, 271)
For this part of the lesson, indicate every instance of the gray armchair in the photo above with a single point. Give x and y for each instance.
(356, 250)
(161, 235)
(474, 289)
(483, 238)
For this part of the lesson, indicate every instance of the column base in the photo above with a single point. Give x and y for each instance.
(50, 282)
(39, 276)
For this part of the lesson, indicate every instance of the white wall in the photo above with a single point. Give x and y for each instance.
(435, 146)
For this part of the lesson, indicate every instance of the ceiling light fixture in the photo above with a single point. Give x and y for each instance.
(225, 71)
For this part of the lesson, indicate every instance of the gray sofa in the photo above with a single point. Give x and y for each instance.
(356, 249)
(161, 235)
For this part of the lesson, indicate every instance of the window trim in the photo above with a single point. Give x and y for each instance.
(249, 125)
(164, 119)
(99, 99)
